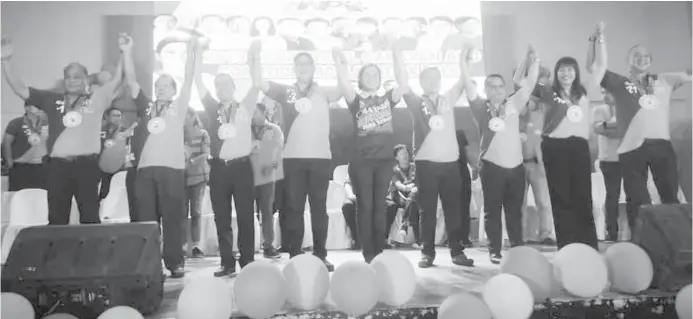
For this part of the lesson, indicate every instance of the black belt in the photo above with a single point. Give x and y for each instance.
(531, 160)
(232, 161)
(75, 158)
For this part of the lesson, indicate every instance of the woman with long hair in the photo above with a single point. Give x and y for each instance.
(370, 166)
(566, 153)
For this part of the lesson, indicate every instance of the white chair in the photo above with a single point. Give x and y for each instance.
(5, 183)
(115, 207)
(340, 174)
(118, 180)
(598, 199)
(338, 234)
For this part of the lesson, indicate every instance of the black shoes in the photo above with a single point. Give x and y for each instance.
(225, 271)
(197, 253)
(329, 265)
(463, 260)
(177, 272)
(271, 253)
(426, 261)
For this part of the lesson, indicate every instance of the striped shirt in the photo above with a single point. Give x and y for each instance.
(198, 145)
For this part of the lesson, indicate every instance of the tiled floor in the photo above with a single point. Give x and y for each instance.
(433, 284)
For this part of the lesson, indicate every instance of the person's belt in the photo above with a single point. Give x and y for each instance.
(232, 161)
(531, 160)
(75, 158)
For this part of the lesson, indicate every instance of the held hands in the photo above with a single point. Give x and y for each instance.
(532, 55)
(125, 42)
(598, 35)
(7, 48)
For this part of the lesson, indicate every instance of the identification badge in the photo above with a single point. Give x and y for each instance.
(72, 119)
(649, 102)
(256, 145)
(496, 124)
(108, 143)
(575, 114)
(226, 131)
(34, 139)
(303, 105)
(156, 125)
(523, 137)
(436, 122)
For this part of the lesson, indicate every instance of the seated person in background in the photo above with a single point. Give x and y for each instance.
(197, 151)
(349, 211)
(23, 149)
(403, 193)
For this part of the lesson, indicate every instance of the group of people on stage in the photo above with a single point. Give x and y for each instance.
(539, 129)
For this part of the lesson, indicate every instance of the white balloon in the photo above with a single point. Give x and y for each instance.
(530, 265)
(121, 312)
(260, 290)
(630, 268)
(15, 306)
(683, 303)
(396, 277)
(581, 270)
(205, 298)
(354, 288)
(508, 297)
(463, 303)
(61, 316)
(307, 281)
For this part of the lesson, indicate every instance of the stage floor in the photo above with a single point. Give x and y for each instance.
(433, 284)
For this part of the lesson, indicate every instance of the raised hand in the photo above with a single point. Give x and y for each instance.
(125, 42)
(7, 48)
(532, 55)
(600, 27)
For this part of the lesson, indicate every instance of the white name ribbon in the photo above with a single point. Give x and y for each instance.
(156, 125)
(72, 119)
(648, 102)
(303, 105)
(496, 124)
(34, 139)
(575, 114)
(256, 145)
(436, 123)
(226, 131)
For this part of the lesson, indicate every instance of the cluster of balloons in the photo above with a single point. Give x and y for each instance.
(261, 289)
(527, 277)
(15, 306)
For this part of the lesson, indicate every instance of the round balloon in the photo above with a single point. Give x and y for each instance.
(211, 296)
(15, 306)
(530, 265)
(508, 297)
(396, 277)
(464, 303)
(630, 268)
(260, 290)
(683, 303)
(60, 316)
(307, 281)
(121, 312)
(582, 270)
(354, 288)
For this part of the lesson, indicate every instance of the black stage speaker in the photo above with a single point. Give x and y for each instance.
(86, 269)
(664, 231)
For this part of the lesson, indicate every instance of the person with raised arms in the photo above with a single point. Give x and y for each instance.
(74, 143)
(500, 163)
(437, 152)
(566, 152)
(370, 166)
(160, 178)
(643, 101)
(231, 174)
(307, 155)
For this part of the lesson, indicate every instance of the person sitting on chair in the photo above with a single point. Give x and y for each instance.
(403, 193)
